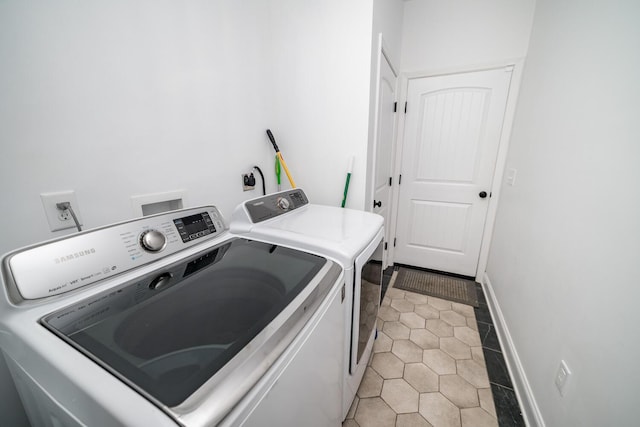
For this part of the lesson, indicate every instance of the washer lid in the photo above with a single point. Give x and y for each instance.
(168, 333)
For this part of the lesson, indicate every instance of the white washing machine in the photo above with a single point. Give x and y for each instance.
(171, 320)
(352, 238)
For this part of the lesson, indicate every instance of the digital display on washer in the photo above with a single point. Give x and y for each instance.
(167, 341)
(194, 226)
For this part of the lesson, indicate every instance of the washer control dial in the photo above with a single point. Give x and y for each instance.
(153, 241)
(283, 203)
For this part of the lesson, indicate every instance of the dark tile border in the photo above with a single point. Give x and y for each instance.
(507, 407)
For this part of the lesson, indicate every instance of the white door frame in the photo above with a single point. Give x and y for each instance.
(503, 149)
(383, 53)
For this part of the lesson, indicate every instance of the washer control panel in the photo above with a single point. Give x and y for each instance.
(62, 265)
(274, 205)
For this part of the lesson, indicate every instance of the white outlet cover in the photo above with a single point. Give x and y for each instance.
(49, 201)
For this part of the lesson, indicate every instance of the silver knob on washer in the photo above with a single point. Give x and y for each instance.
(153, 241)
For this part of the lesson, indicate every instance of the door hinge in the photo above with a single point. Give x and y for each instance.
(399, 179)
(395, 107)
(390, 181)
(405, 108)
(385, 246)
(394, 242)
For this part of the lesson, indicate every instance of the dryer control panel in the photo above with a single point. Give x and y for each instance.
(274, 205)
(65, 264)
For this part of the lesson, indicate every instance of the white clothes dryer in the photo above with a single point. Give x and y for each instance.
(352, 238)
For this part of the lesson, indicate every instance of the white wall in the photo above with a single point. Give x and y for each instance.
(118, 99)
(449, 35)
(321, 59)
(387, 19)
(564, 258)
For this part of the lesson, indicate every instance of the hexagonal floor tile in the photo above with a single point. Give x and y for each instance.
(424, 338)
(477, 417)
(394, 293)
(438, 410)
(467, 336)
(382, 343)
(374, 412)
(464, 309)
(474, 372)
(455, 348)
(396, 330)
(388, 314)
(439, 303)
(421, 377)
(371, 384)
(439, 327)
(458, 391)
(477, 354)
(486, 401)
(411, 420)
(412, 320)
(407, 351)
(416, 298)
(402, 305)
(427, 311)
(387, 365)
(453, 318)
(400, 396)
(439, 362)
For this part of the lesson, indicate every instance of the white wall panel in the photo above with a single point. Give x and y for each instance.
(564, 258)
(439, 35)
(118, 99)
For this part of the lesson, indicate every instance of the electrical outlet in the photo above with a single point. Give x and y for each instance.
(562, 377)
(60, 219)
(248, 181)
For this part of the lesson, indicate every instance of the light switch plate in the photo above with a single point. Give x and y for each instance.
(511, 176)
(562, 377)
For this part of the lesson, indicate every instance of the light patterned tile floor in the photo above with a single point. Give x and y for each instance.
(427, 367)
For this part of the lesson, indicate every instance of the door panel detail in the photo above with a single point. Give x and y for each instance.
(432, 220)
(451, 126)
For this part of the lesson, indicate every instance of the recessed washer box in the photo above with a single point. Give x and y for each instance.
(150, 204)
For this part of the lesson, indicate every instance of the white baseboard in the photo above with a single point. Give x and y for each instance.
(530, 411)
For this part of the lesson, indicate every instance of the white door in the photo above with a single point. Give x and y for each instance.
(452, 131)
(384, 138)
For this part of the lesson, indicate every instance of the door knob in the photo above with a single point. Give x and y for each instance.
(482, 194)
(377, 204)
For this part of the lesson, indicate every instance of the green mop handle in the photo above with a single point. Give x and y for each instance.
(278, 172)
(346, 184)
